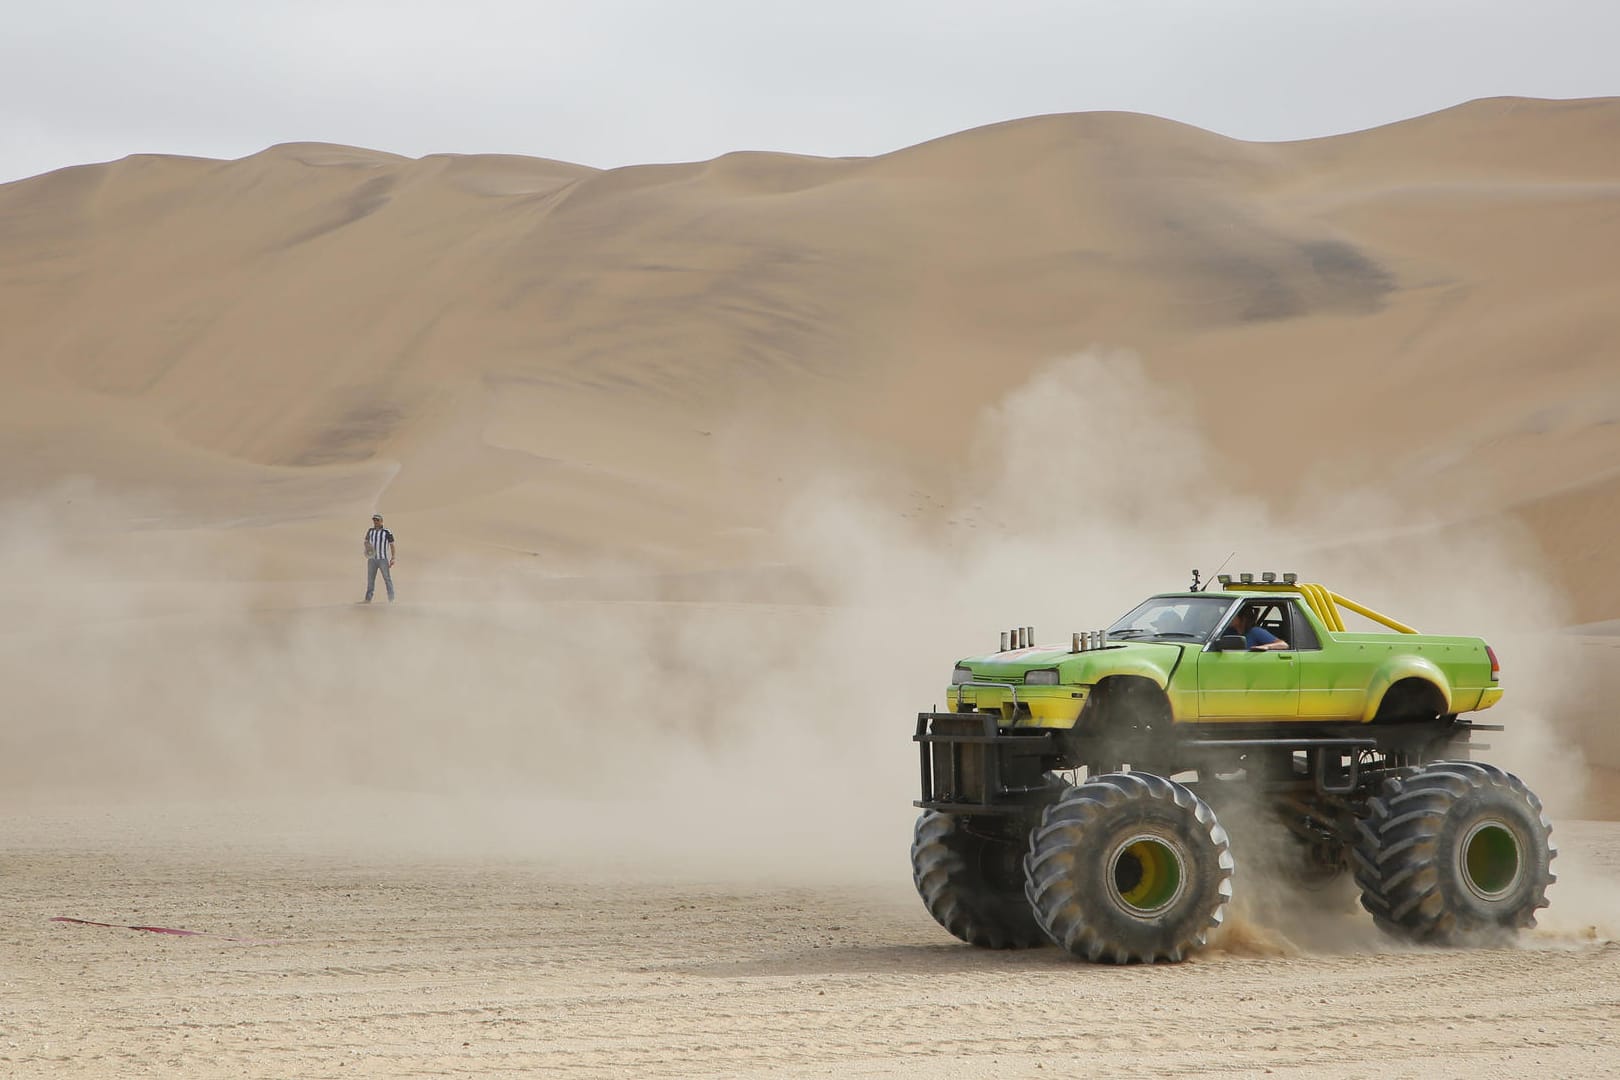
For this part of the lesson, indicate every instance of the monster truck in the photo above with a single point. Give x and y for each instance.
(1255, 695)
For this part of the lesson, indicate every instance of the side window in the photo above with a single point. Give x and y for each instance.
(1304, 633)
(1271, 617)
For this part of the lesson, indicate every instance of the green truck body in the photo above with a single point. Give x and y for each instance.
(1323, 676)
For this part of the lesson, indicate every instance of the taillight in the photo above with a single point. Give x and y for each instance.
(1496, 665)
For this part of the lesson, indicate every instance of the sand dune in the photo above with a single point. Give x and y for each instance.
(1427, 306)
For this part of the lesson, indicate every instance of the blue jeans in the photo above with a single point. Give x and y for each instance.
(372, 566)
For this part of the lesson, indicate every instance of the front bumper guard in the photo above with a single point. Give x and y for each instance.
(969, 765)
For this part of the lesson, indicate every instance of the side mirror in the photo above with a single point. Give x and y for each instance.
(1231, 643)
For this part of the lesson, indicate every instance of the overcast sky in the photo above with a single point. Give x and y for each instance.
(617, 82)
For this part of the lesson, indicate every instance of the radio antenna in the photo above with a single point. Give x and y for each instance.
(1218, 569)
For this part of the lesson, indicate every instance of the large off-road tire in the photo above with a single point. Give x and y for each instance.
(1128, 868)
(973, 885)
(1457, 852)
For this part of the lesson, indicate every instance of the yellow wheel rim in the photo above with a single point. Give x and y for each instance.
(1145, 876)
(1490, 860)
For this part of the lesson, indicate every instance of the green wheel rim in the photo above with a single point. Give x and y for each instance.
(1146, 875)
(1490, 860)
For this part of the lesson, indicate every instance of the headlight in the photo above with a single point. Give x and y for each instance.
(1041, 677)
(961, 675)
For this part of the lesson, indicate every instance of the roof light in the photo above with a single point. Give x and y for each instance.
(1224, 579)
(1289, 579)
(1247, 579)
(1269, 577)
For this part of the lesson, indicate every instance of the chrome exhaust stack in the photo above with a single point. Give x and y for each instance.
(1089, 640)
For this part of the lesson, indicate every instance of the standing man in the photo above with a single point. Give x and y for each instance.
(379, 556)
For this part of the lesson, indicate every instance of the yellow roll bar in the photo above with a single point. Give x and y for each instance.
(1373, 615)
(1323, 601)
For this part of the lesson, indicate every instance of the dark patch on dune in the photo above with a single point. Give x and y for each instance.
(1238, 262)
(1257, 290)
(1351, 277)
(1315, 276)
(353, 436)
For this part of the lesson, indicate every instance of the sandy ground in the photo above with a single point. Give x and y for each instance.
(457, 837)
(375, 965)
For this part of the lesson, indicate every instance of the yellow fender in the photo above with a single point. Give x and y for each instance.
(1404, 667)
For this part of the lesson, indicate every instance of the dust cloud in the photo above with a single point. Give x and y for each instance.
(153, 668)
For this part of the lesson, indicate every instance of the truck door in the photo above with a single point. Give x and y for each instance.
(1332, 677)
(1251, 685)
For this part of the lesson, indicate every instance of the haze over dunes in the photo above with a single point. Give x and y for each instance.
(519, 350)
(648, 382)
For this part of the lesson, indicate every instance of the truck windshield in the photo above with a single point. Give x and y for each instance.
(1172, 618)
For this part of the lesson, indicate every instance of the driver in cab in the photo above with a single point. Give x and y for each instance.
(1259, 638)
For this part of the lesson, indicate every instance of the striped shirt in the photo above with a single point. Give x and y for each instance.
(379, 543)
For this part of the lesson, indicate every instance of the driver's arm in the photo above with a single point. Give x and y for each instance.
(1263, 640)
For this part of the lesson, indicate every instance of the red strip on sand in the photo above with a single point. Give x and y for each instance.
(159, 930)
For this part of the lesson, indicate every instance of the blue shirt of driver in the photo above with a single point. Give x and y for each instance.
(1258, 635)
